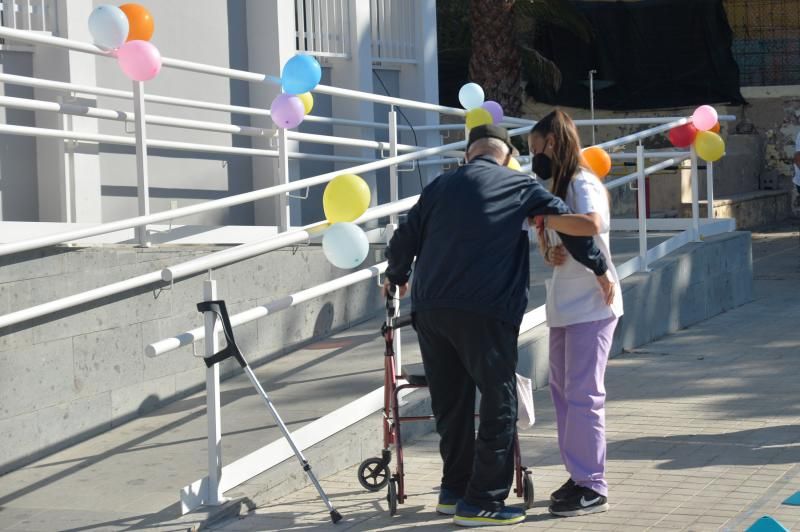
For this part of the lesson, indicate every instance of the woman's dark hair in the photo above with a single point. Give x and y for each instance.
(566, 158)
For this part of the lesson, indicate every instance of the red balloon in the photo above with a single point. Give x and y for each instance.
(682, 136)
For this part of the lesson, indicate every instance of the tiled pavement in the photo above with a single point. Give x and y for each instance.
(703, 430)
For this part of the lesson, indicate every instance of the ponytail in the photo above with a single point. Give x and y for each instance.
(566, 159)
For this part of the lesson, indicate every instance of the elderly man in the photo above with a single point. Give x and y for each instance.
(469, 293)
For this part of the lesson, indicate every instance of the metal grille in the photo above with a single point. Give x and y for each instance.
(323, 27)
(34, 15)
(766, 40)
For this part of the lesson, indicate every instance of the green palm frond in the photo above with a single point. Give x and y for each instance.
(559, 13)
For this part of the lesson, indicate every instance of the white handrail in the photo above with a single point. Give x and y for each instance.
(231, 73)
(124, 116)
(109, 114)
(191, 267)
(189, 337)
(616, 183)
(180, 102)
(230, 201)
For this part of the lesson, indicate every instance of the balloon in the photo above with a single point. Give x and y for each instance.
(478, 117)
(140, 21)
(495, 110)
(345, 245)
(598, 161)
(470, 96)
(346, 198)
(308, 101)
(716, 128)
(301, 73)
(710, 146)
(704, 117)
(108, 26)
(139, 60)
(514, 165)
(287, 111)
(682, 136)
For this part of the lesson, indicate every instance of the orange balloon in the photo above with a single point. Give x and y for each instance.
(716, 128)
(597, 160)
(140, 22)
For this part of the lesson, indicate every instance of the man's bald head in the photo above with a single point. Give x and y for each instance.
(490, 146)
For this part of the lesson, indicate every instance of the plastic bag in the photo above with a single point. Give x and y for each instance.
(526, 416)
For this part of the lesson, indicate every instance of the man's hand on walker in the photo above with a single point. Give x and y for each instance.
(402, 288)
(607, 286)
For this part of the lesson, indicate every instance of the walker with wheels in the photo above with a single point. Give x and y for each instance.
(376, 473)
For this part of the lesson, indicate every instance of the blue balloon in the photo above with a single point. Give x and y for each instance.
(109, 27)
(300, 74)
(345, 245)
(470, 96)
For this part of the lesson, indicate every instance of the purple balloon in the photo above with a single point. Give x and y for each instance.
(287, 111)
(495, 109)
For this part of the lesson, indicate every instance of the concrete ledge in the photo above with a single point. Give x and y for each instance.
(691, 285)
(750, 209)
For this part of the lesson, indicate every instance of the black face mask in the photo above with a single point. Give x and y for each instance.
(542, 166)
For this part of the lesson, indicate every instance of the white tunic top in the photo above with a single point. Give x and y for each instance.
(573, 293)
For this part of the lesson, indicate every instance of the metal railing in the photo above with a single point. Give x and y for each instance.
(34, 15)
(393, 31)
(323, 27)
(210, 489)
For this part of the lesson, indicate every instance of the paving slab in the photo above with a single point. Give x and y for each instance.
(703, 430)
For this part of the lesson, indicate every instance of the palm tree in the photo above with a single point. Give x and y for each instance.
(502, 33)
(496, 63)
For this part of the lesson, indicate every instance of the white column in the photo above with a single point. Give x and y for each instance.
(641, 202)
(213, 406)
(67, 169)
(355, 73)
(271, 42)
(695, 177)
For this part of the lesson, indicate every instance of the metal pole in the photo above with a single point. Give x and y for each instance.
(695, 197)
(641, 202)
(591, 101)
(710, 190)
(143, 180)
(284, 216)
(394, 191)
(213, 408)
(69, 171)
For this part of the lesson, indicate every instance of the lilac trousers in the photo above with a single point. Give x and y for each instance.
(578, 358)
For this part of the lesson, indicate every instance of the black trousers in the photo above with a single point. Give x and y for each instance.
(461, 351)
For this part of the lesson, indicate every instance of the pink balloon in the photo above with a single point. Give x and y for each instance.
(495, 109)
(704, 118)
(139, 60)
(288, 111)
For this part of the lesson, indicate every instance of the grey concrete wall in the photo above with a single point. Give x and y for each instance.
(18, 196)
(83, 371)
(695, 283)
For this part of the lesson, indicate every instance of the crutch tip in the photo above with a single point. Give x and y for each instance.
(335, 516)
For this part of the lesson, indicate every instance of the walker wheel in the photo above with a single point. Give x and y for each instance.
(373, 474)
(391, 497)
(527, 487)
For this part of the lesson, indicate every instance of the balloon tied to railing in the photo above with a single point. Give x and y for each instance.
(125, 32)
(300, 75)
(346, 199)
(702, 132)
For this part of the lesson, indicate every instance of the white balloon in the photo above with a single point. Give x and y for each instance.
(345, 245)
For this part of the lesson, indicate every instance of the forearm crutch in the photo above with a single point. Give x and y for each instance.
(232, 350)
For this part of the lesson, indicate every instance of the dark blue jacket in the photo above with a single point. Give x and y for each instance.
(466, 234)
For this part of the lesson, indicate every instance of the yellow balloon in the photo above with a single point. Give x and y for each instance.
(308, 101)
(514, 165)
(478, 117)
(346, 197)
(710, 146)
